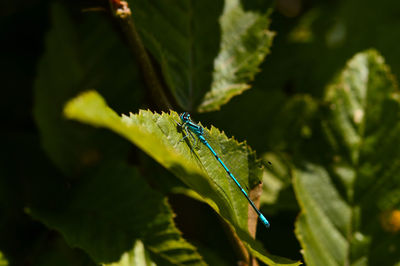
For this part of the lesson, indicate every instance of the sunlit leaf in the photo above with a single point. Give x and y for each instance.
(137, 256)
(158, 136)
(245, 43)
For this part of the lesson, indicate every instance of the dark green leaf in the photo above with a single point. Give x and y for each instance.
(75, 60)
(207, 55)
(313, 46)
(113, 208)
(350, 206)
(184, 38)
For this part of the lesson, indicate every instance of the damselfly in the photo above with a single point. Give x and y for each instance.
(192, 128)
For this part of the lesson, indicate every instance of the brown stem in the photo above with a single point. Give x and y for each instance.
(122, 13)
(255, 195)
(244, 256)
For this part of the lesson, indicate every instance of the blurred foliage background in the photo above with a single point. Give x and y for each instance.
(310, 86)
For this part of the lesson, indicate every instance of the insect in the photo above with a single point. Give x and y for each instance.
(192, 129)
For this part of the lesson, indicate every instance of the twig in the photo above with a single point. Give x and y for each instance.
(122, 13)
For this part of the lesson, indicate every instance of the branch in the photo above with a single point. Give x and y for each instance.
(123, 14)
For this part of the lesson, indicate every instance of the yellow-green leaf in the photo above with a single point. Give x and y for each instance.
(158, 136)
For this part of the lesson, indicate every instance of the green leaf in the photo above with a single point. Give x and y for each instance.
(111, 209)
(29, 178)
(75, 60)
(244, 45)
(283, 122)
(277, 185)
(351, 205)
(3, 261)
(184, 38)
(56, 252)
(158, 136)
(212, 256)
(207, 56)
(137, 256)
(313, 46)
